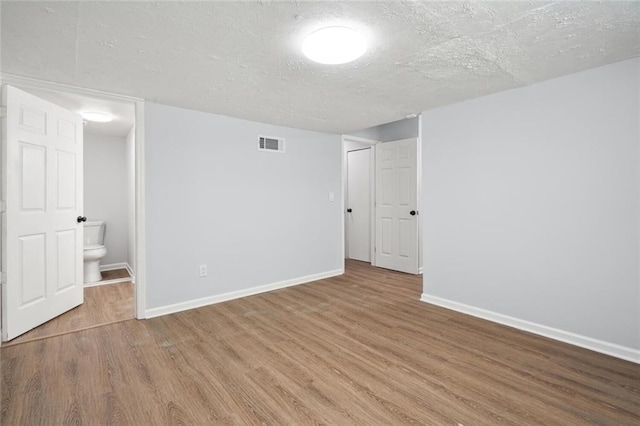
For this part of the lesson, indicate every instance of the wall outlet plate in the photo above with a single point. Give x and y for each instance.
(203, 270)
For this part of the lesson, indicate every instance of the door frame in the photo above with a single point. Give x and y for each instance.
(419, 190)
(140, 197)
(373, 143)
(372, 147)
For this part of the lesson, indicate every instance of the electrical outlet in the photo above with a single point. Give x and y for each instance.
(203, 270)
(332, 197)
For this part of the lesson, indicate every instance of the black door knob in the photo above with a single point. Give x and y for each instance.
(412, 212)
(81, 219)
(348, 210)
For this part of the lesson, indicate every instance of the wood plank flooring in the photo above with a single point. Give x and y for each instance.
(356, 349)
(115, 274)
(105, 304)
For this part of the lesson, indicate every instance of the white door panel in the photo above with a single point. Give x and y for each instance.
(42, 189)
(396, 199)
(358, 220)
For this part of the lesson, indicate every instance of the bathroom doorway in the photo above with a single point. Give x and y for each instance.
(109, 188)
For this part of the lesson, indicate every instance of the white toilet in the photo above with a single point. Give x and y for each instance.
(94, 250)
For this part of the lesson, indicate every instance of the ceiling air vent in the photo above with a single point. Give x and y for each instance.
(271, 144)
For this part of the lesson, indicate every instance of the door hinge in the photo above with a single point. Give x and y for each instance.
(3, 111)
(3, 206)
(3, 278)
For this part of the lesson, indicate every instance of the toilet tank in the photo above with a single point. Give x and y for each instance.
(94, 233)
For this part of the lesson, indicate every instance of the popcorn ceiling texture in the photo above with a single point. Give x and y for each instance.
(243, 59)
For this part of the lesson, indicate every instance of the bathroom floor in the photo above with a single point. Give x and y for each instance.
(114, 275)
(104, 304)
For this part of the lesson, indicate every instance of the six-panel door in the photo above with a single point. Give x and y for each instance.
(42, 180)
(397, 206)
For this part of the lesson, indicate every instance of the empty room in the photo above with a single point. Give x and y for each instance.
(320, 212)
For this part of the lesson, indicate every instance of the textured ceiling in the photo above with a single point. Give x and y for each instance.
(243, 59)
(124, 115)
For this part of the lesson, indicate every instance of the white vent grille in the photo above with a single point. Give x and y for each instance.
(267, 143)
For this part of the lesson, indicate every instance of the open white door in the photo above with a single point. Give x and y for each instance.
(396, 208)
(42, 190)
(358, 217)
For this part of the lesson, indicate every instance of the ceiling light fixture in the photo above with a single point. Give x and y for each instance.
(100, 117)
(334, 45)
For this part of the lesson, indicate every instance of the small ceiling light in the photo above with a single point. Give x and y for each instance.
(100, 117)
(334, 45)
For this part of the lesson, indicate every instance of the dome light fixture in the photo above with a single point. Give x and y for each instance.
(334, 45)
(100, 117)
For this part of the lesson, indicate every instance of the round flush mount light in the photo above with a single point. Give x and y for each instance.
(100, 117)
(334, 45)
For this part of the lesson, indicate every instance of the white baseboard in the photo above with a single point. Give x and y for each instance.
(114, 266)
(107, 282)
(224, 297)
(129, 270)
(121, 265)
(596, 345)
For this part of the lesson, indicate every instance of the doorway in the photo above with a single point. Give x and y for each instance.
(118, 299)
(385, 177)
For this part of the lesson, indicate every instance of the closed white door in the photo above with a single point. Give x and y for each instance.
(396, 208)
(358, 217)
(42, 189)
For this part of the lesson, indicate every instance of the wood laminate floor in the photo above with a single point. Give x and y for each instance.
(105, 304)
(115, 274)
(355, 349)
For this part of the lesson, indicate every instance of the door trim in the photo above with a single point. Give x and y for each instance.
(372, 145)
(419, 190)
(140, 198)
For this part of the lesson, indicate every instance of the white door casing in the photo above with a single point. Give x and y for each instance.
(42, 256)
(396, 211)
(358, 216)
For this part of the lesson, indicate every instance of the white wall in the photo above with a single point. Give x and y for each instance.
(372, 133)
(255, 218)
(130, 166)
(105, 191)
(394, 131)
(530, 204)
(398, 130)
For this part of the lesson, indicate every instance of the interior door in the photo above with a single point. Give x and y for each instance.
(42, 189)
(396, 208)
(359, 205)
